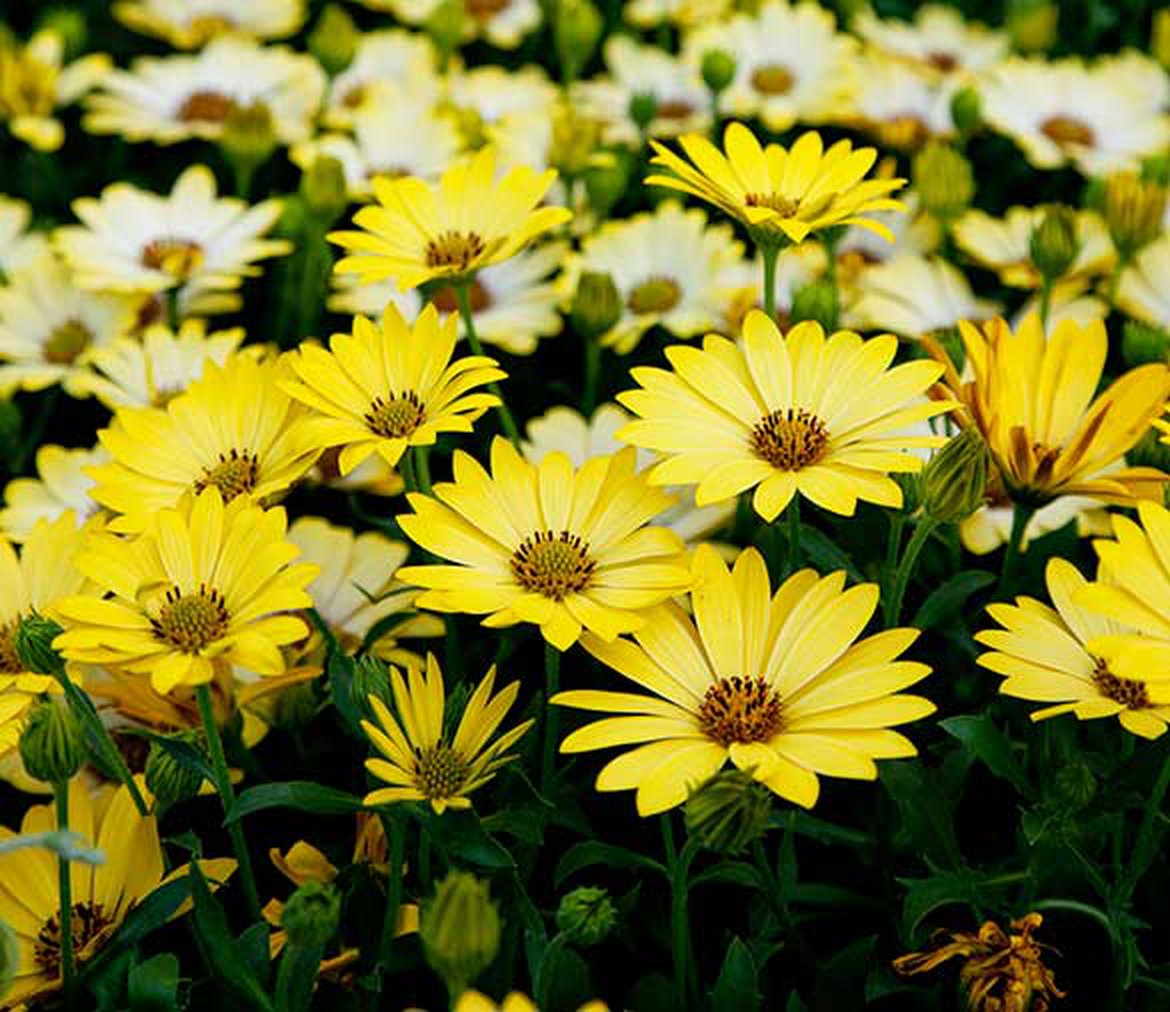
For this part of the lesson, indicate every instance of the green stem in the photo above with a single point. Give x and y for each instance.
(678, 866)
(592, 375)
(1045, 303)
(770, 254)
(830, 238)
(172, 301)
(893, 547)
(463, 297)
(406, 469)
(30, 441)
(772, 891)
(65, 895)
(396, 833)
(552, 677)
(1021, 514)
(227, 796)
(794, 552)
(1145, 845)
(918, 539)
(422, 468)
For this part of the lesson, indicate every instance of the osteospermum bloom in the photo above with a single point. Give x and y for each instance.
(1144, 291)
(503, 23)
(899, 105)
(670, 268)
(153, 370)
(782, 195)
(476, 1001)
(784, 414)
(1032, 400)
(132, 240)
(389, 57)
(1042, 652)
(19, 246)
(420, 760)
(189, 24)
(938, 39)
(990, 527)
(62, 483)
(422, 232)
(175, 98)
(50, 329)
(560, 547)
(102, 894)
(388, 387)
(775, 683)
(234, 430)
(204, 583)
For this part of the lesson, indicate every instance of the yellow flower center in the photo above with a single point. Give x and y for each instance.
(189, 622)
(206, 106)
(554, 565)
(903, 132)
(236, 474)
(207, 26)
(1065, 130)
(87, 922)
(1129, 692)
(180, 258)
(457, 250)
(740, 710)
(440, 771)
(397, 417)
(773, 79)
(654, 295)
(790, 439)
(484, 10)
(10, 663)
(67, 342)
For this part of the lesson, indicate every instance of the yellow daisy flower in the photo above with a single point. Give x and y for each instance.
(420, 760)
(1033, 400)
(189, 24)
(468, 220)
(62, 484)
(386, 388)
(1144, 292)
(477, 1001)
(234, 430)
(205, 582)
(781, 195)
(1042, 652)
(773, 682)
(102, 894)
(784, 414)
(560, 547)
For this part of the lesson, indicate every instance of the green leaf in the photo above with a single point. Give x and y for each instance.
(948, 599)
(303, 795)
(841, 981)
(462, 835)
(924, 896)
(386, 624)
(927, 810)
(151, 913)
(820, 829)
(153, 986)
(593, 852)
(736, 986)
(991, 746)
(254, 949)
(826, 555)
(730, 872)
(297, 977)
(795, 1003)
(339, 670)
(183, 752)
(562, 980)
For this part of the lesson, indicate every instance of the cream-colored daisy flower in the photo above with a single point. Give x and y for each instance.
(990, 527)
(792, 65)
(914, 233)
(901, 106)
(189, 24)
(62, 483)
(682, 13)
(1069, 300)
(670, 267)
(938, 39)
(503, 23)
(19, 246)
(1144, 291)
(176, 98)
(682, 103)
(796, 266)
(391, 56)
(132, 240)
(1064, 112)
(485, 95)
(50, 328)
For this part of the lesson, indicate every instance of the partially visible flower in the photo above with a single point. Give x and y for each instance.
(1144, 291)
(189, 24)
(990, 528)
(1133, 208)
(19, 247)
(1069, 300)
(938, 39)
(390, 57)
(796, 268)
(683, 13)
(900, 106)
(476, 1001)
(486, 94)
(62, 484)
(503, 23)
(420, 759)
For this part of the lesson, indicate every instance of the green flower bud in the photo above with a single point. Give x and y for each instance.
(52, 744)
(728, 812)
(954, 480)
(371, 677)
(9, 957)
(1133, 209)
(167, 778)
(1032, 24)
(294, 707)
(967, 110)
(597, 306)
(460, 930)
(643, 109)
(606, 184)
(311, 914)
(294, 216)
(577, 29)
(1156, 169)
(323, 189)
(249, 136)
(1160, 37)
(718, 69)
(943, 179)
(586, 916)
(911, 486)
(334, 39)
(1075, 783)
(69, 24)
(1144, 342)
(816, 301)
(447, 27)
(574, 141)
(1054, 243)
(33, 643)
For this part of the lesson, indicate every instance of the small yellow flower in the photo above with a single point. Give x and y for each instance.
(422, 231)
(476, 1001)
(781, 195)
(390, 387)
(420, 760)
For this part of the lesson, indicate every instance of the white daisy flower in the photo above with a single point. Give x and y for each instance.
(503, 23)
(175, 98)
(189, 24)
(900, 105)
(18, 246)
(1070, 300)
(989, 528)
(683, 13)
(61, 484)
(742, 286)
(1144, 292)
(937, 39)
(487, 94)
(390, 56)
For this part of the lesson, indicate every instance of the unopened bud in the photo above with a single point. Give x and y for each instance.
(294, 707)
(586, 916)
(52, 744)
(1160, 37)
(371, 677)
(1144, 342)
(577, 29)
(1076, 785)
(168, 779)
(816, 301)
(606, 184)
(33, 643)
(1054, 244)
(643, 109)
(597, 306)
(1156, 169)
(1133, 209)
(967, 110)
(954, 480)
(574, 141)
(447, 26)
(311, 914)
(249, 135)
(69, 25)
(718, 69)
(1032, 24)
(943, 180)
(460, 930)
(323, 189)
(334, 39)
(728, 812)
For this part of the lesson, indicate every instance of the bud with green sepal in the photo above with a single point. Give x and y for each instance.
(323, 190)
(1053, 248)
(816, 301)
(52, 743)
(1075, 783)
(1032, 24)
(943, 180)
(577, 28)
(311, 914)
(248, 141)
(967, 111)
(586, 916)
(168, 779)
(33, 643)
(447, 27)
(1133, 208)
(597, 306)
(954, 480)
(371, 677)
(460, 930)
(728, 812)
(606, 184)
(334, 39)
(643, 109)
(1142, 343)
(718, 69)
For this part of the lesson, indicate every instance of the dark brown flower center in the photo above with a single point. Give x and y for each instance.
(236, 473)
(397, 417)
(654, 295)
(458, 250)
(180, 258)
(674, 108)
(445, 300)
(790, 439)
(1066, 130)
(773, 79)
(88, 921)
(946, 62)
(440, 771)
(484, 10)
(67, 342)
(552, 564)
(10, 663)
(1129, 692)
(740, 710)
(190, 622)
(206, 107)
